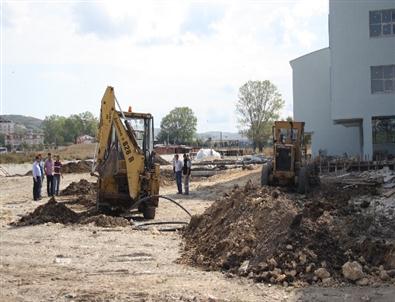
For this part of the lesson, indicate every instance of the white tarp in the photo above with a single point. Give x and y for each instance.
(207, 154)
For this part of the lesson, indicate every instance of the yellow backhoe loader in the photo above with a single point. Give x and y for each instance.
(289, 165)
(128, 177)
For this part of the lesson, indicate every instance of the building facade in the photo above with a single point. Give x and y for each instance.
(6, 127)
(346, 93)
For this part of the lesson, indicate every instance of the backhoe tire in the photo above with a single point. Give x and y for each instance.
(149, 212)
(265, 175)
(303, 181)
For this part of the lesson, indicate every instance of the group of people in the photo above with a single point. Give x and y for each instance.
(181, 168)
(49, 169)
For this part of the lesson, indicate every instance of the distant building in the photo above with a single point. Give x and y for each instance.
(85, 139)
(6, 127)
(31, 138)
(346, 93)
(24, 136)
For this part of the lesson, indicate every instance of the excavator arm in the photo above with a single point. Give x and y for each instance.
(132, 153)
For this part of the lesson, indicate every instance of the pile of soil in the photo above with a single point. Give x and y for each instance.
(52, 211)
(160, 160)
(82, 166)
(58, 212)
(84, 200)
(277, 237)
(83, 187)
(106, 221)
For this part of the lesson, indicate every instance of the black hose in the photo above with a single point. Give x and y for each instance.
(162, 222)
(161, 196)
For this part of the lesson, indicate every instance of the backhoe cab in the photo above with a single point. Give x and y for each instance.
(125, 160)
(289, 166)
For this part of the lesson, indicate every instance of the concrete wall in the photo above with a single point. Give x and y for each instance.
(311, 95)
(353, 52)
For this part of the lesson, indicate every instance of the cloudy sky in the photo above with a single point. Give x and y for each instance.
(57, 57)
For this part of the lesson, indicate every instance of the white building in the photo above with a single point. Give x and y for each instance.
(346, 93)
(6, 127)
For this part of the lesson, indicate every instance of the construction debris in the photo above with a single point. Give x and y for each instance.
(277, 237)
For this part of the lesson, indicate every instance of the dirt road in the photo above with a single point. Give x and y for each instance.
(54, 262)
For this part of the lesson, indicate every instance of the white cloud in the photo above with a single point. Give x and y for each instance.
(146, 50)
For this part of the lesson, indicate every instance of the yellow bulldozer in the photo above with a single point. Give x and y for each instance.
(289, 165)
(128, 176)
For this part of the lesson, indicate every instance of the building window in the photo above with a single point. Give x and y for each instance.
(382, 79)
(382, 23)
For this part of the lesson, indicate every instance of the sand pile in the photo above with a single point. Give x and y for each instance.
(82, 187)
(274, 237)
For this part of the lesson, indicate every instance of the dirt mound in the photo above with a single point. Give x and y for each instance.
(167, 177)
(160, 160)
(275, 237)
(81, 166)
(58, 212)
(83, 187)
(52, 211)
(84, 200)
(106, 221)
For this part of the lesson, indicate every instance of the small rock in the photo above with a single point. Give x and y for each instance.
(289, 247)
(327, 281)
(309, 267)
(365, 204)
(352, 270)
(281, 277)
(362, 260)
(292, 273)
(285, 284)
(302, 258)
(155, 231)
(275, 194)
(363, 282)
(273, 262)
(384, 275)
(212, 298)
(244, 267)
(322, 273)
(391, 273)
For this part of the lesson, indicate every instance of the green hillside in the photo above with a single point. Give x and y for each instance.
(28, 121)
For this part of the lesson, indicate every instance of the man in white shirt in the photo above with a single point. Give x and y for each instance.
(178, 164)
(37, 175)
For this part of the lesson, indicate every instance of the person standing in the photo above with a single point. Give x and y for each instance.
(178, 171)
(187, 173)
(48, 168)
(36, 171)
(41, 163)
(56, 174)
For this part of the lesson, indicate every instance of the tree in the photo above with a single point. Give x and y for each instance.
(54, 129)
(60, 130)
(258, 106)
(178, 127)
